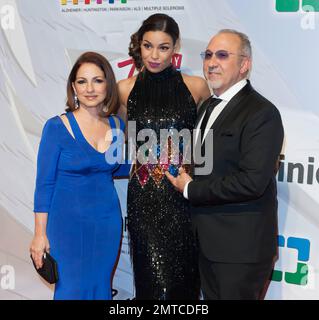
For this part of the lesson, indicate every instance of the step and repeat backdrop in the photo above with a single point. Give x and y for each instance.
(39, 42)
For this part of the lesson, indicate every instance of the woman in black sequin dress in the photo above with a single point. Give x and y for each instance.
(162, 243)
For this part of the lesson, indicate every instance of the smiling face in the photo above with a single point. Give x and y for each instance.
(224, 73)
(157, 49)
(90, 85)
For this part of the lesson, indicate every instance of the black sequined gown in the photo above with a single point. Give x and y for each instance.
(162, 243)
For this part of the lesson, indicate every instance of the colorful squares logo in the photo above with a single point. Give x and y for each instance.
(76, 2)
(122, 1)
(294, 5)
(300, 276)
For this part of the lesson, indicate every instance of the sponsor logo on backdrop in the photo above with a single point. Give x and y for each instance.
(297, 5)
(83, 6)
(300, 276)
(300, 172)
(309, 8)
(129, 6)
(86, 2)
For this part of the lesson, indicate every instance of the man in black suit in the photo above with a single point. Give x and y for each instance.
(234, 207)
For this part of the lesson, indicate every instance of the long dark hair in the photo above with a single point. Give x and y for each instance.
(155, 22)
(111, 102)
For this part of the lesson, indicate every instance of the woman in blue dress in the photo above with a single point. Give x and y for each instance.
(77, 211)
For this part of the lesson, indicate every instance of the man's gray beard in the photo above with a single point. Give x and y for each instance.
(215, 84)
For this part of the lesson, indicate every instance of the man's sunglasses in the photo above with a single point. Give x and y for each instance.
(219, 54)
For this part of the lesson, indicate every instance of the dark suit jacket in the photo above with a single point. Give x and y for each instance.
(234, 208)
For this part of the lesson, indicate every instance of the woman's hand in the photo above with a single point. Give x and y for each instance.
(39, 245)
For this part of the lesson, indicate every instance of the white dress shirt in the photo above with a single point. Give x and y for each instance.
(225, 97)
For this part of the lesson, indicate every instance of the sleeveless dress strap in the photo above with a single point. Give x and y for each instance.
(112, 122)
(113, 127)
(116, 123)
(74, 126)
(119, 123)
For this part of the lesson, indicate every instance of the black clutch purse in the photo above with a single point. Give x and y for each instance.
(49, 269)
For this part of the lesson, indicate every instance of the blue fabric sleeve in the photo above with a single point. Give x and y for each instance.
(48, 156)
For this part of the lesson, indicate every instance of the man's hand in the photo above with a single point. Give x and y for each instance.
(180, 181)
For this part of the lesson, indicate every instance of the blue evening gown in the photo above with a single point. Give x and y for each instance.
(75, 186)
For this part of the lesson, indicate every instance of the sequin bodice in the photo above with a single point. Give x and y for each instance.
(162, 101)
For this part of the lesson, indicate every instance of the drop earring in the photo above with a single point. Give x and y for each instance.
(76, 101)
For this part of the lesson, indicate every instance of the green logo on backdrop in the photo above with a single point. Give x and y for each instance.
(294, 5)
(300, 276)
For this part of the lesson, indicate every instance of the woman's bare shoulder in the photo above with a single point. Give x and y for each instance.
(128, 83)
(125, 86)
(197, 86)
(194, 81)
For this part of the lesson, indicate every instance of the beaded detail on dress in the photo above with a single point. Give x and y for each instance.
(162, 243)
